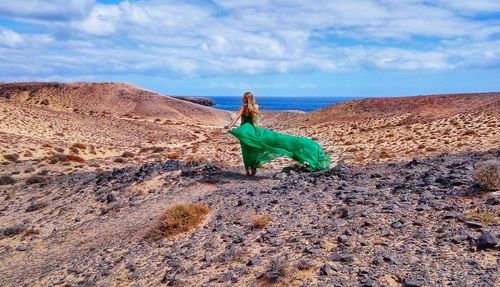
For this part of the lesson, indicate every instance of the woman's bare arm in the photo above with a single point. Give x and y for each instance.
(238, 115)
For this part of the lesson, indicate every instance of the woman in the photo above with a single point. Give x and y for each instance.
(259, 145)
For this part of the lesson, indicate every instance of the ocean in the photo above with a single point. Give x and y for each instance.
(305, 104)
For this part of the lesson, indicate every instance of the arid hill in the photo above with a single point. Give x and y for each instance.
(112, 98)
(394, 129)
(415, 109)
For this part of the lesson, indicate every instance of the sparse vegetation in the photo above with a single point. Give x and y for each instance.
(488, 175)
(7, 180)
(173, 155)
(36, 206)
(128, 154)
(13, 157)
(180, 218)
(154, 149)
(74, 150)
(276, 270)
(59, 149)
(59, 157)
(79, 146)
(11, 230)
(260, 221)
(35, 179)
(485, 216)
(119, 160)
(157, 149)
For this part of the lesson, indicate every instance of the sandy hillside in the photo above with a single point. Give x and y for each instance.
(392, 129)
(109, 98)
(112, 122)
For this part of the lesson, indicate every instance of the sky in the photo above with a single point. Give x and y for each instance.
(361, 48)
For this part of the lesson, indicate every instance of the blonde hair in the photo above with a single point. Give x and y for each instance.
(252, 109)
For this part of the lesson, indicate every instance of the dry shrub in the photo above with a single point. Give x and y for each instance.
(384, 154)
(36, 206)
(59, 157)
(173, 155)
(485, 216)
(35, 179)
(276, 270)
(119, 160)
(469, 132)
(13, 157)
(128, 154)
(7, 180)
(488, 175)
(352, 149)
(74, 150)
(260, 221)
(47, 145)
(157, 149)
(180, 218)
(59, 149)
(79, 146)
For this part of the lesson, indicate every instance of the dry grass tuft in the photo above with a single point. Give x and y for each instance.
(79, 146)
(119, 160)
(485, 216)
(59, 157)
(276, 270)
(180, 218)
(128, 154)
(35, 179)
(7, 180)
(13, 157)
(260, 221)
(488, 175)
(173, 155)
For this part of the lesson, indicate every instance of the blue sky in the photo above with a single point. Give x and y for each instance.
(364, 48)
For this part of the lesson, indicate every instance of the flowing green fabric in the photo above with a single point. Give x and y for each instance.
(260, 145)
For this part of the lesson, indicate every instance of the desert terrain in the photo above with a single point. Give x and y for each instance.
(88, 169)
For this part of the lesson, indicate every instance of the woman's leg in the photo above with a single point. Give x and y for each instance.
(253, 171)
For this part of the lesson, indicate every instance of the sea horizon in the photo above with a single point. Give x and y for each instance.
(305, 104)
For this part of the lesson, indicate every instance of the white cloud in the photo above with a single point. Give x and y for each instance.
(187, 39)
(10, 38)
(102, 20)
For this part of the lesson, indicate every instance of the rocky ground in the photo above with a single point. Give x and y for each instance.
(423, 222)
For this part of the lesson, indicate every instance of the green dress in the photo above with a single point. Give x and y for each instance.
(260, 145)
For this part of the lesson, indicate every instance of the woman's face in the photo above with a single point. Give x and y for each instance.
(245, 100)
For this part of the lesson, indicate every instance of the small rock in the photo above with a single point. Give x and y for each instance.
(131, 266)
(22, 247)
(134, 275)
(325, 270)
(343, 238)
(254, 261)
(110, 198)
(486, 240)
(413, 283)
(493, 201)
(396, 225)
(385, 232)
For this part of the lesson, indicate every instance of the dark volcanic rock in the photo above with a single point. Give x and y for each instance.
(204, 101)
(486, 240)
